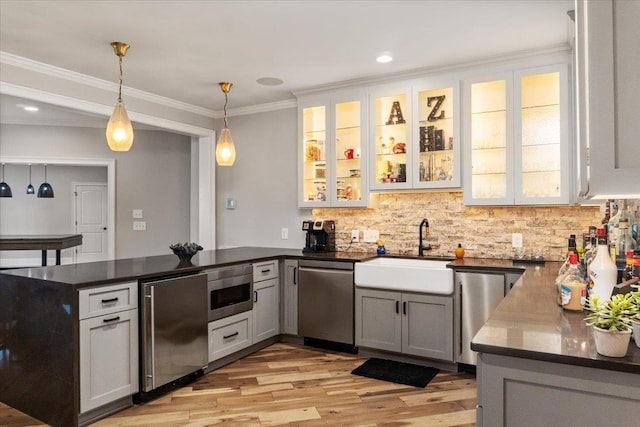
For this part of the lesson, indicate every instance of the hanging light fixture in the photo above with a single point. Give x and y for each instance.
(5, 190)
(45, 190)
(225, 150)
(119, 129)
(30, 189)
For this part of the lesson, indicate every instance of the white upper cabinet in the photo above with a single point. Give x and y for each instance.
(608, 65)
(436, 134)
(416, 135)
(333, 151)
(517, 135)
(391, 147)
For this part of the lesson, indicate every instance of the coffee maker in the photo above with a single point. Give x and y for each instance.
(321, 236)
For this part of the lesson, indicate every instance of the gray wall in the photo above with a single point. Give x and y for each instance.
(27, 214)
(263, 181)
(154, 176)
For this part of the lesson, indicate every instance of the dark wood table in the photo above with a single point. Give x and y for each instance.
(42, 242)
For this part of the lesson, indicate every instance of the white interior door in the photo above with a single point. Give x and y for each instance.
(91, 221)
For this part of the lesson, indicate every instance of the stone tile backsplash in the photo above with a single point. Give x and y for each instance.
(484, 232)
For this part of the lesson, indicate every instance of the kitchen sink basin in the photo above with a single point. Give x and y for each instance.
(405, 274)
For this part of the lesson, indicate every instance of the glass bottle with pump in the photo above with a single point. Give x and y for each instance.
(603, 273)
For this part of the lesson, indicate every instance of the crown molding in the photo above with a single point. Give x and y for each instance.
(62, 73)
(105, 110)
(562, 48)
(259, 108)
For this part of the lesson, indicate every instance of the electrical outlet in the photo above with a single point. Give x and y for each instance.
(285, 233)
(355, 236)
(370, 236)
(139, 225)
(516, 240)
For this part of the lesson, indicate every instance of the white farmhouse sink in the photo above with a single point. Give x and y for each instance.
(403, 274)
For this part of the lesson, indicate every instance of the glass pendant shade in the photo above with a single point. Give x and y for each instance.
(30, 189)
(5, 190)
(119, 130)
(225, 150)
(45, 191)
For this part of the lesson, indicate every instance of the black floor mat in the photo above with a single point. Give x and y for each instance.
(396, 372)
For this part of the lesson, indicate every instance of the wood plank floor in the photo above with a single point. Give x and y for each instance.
(291, 385)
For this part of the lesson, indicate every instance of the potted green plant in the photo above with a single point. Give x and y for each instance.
(611, 322)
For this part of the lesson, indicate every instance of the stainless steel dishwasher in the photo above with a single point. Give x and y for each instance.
(325, 302)
(478, 294)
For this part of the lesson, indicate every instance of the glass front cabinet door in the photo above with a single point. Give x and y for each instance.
(391, 139)
(517, 138)
(333, 153)
(436, 136)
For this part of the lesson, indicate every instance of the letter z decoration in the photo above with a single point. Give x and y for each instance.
(432, 114)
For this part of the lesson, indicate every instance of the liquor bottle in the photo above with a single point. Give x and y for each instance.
(603, 273)
(422, 171)
(573, 287)
(571, 249)
(625, 242)
(607, 213)
(627, 273)
(614, 222)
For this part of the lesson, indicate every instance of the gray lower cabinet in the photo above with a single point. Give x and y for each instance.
(409, 323)
(266, 300)
(526, 393)
(108, 344)
(266, 309)
(290, 297)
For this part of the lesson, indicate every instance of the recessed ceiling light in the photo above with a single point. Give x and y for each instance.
(384, 58)
(269, 81)
(31, 108)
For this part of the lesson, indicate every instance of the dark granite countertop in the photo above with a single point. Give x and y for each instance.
(529, 324)
(105, 272)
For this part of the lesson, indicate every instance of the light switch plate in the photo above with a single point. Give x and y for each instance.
(516, 240)
(370, 236)
(139, 225)
(231, 203)
(137, 213)
(285, 233)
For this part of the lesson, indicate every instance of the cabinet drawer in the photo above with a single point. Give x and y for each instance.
(107, 299)
(231, 334)
(265, 270)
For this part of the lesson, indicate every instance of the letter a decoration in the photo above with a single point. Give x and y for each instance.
(395, 116)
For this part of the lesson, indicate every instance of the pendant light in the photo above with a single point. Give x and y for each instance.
(119, 130)
(45, 190)
(30, 189)
(5, 190)
(225, 150)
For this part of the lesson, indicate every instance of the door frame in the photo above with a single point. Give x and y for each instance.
(74, 213)
(110, 164)
(203, 186)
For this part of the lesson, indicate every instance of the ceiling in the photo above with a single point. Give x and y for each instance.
(182, 49)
